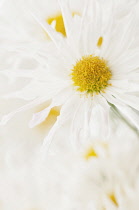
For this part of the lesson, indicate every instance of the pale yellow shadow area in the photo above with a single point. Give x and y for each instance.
(113, 198)
(46, 125)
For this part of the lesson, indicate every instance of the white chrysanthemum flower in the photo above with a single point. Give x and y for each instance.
(87, 73)
(101, 176)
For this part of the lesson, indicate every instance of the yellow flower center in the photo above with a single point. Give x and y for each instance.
(90, 153)
(59, 23)
(91, 74)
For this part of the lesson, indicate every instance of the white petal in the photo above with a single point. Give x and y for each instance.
(119, 85)
(13, 74)
(78, 124)
(124, 86)
(129, 100)
(33, 90)
(7, 117)
(99, 120)
(58, 100)
(128, 112)
(39, 117)
(127, 63)
(65, 114)
(67, 15)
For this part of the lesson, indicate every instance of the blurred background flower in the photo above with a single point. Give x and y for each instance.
(101, 175)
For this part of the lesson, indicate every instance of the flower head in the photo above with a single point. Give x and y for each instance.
(89, 73)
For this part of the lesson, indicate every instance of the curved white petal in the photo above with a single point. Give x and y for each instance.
(7, 117)
(58, 100)
(79, 127)
(129, 100)
(67, 15)
(65, 114)
(128, 112)
(99, 120)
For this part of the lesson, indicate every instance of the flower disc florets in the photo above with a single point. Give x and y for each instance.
(91, 74)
